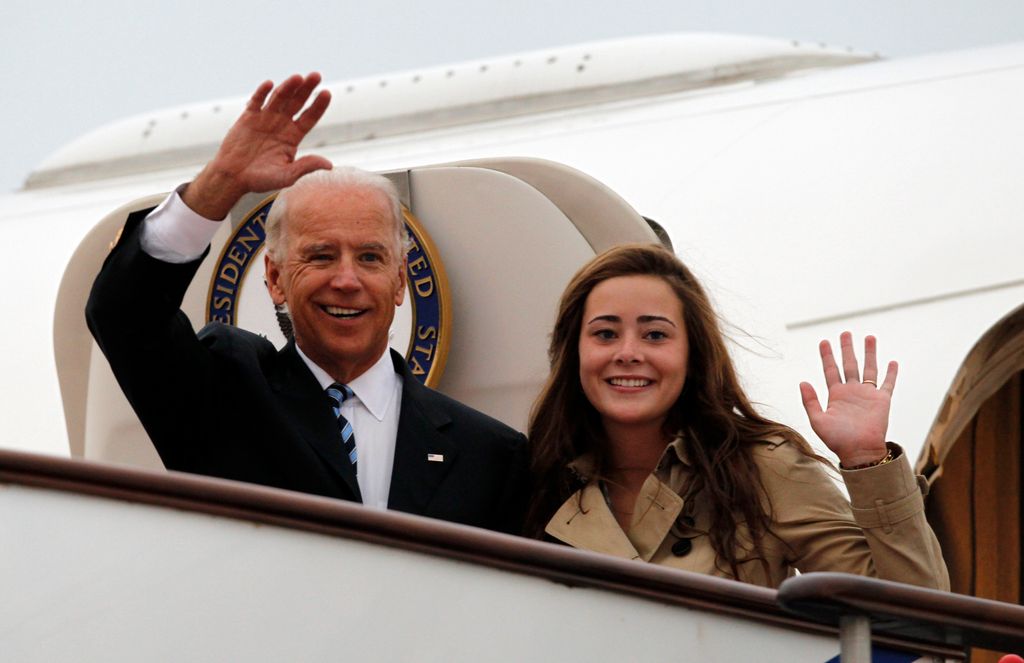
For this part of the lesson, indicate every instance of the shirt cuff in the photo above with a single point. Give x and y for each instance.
(174, 233)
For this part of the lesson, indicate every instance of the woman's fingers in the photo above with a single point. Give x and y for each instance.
(890, 377)
(870, 360)
(828, 365)
(851, 371)
(811, 403)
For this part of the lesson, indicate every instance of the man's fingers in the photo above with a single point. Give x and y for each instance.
(850, 369)
(300, 95)
(890, 377)
(290, 96)
(306, 88)
(312, 115)
(870, 359)
(307, 165)
(283, 93)
(828, 364)
(259, 96)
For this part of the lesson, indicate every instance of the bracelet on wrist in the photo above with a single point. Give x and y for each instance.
(888, 458)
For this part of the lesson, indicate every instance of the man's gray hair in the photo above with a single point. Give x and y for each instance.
(340, 177)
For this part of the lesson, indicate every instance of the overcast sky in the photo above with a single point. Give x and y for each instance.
(69, 67)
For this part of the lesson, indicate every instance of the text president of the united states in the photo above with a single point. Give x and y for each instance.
(335, 412)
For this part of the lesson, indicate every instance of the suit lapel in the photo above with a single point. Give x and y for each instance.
(424, 454)
(310, 414)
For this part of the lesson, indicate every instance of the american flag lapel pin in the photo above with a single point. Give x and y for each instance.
(435, 458)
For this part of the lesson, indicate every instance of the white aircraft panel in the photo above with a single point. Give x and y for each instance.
(89, 579)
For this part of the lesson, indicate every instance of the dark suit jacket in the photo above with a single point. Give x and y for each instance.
(227, 403)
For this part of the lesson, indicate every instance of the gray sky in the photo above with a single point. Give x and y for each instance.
(70, 66)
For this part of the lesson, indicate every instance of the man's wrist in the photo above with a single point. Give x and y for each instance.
(212, 194)
(175, 233)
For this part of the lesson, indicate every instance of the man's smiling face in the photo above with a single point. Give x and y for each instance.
(342, 274)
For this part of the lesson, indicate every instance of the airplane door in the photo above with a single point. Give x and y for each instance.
(973, 461)
(497, 239)
(975, 504)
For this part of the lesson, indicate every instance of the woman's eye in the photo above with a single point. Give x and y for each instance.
(655, 335)
(604, 334)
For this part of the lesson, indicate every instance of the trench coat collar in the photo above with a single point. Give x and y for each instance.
(586, 521)
(584, 466)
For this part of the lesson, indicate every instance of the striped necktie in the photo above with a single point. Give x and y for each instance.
(338, 393)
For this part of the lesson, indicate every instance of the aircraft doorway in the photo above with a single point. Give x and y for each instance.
(975, 504)
(973, 461)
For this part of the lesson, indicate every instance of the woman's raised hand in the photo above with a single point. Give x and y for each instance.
(854, 422)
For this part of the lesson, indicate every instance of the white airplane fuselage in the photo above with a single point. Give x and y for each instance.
(812, 191)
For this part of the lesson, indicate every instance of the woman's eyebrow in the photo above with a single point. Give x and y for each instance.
(643, 319)
(654, 318)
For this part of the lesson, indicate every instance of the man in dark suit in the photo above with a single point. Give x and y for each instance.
(334, 413)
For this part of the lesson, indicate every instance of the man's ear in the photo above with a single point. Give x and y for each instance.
(403, 269)
(273, 280)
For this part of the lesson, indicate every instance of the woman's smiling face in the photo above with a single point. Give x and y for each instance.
(633, 350)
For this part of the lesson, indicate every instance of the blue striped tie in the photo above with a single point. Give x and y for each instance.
(338, 393)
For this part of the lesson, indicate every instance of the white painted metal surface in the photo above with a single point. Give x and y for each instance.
(454, 95)
(114, 581)
(877, 197)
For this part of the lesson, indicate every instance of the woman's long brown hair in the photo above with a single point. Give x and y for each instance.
(712, 411)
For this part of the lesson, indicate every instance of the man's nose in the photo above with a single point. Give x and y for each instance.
(345, 276)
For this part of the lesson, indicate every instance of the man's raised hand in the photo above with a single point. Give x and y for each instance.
(258, 152)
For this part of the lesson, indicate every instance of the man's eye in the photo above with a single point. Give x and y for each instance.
(371, 257)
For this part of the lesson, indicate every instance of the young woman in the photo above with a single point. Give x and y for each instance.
(644, 445)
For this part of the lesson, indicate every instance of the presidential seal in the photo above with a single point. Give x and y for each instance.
(238, 295)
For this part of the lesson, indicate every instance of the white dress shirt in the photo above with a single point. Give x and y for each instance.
(174, 233)
(373, 413)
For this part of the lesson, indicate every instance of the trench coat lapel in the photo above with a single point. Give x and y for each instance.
(585, 521)
(310, 414)
(424, 453)
(657, 508)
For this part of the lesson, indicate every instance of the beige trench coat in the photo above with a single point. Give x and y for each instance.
(880, 532)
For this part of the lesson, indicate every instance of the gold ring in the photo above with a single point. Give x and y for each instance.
(870, 382)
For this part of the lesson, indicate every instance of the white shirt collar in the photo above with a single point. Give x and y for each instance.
(374, 388)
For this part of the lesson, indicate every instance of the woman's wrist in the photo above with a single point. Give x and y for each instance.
(865, 460)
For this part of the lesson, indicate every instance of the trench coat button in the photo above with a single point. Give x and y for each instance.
(682, 547)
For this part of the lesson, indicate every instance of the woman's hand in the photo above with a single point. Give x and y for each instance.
(854, 423)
